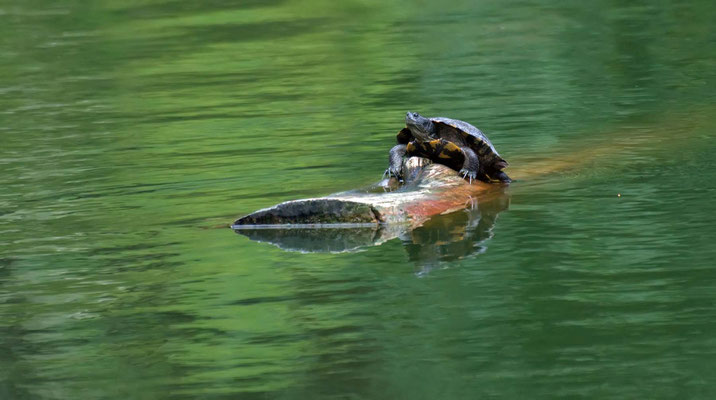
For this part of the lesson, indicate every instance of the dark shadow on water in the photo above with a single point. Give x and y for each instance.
(437, 242)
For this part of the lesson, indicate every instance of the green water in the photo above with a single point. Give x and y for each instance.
(131, 129)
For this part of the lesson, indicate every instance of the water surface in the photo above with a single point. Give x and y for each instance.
(131, 129)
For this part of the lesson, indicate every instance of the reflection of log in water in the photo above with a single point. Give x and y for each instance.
(322, 239)
(454, 236)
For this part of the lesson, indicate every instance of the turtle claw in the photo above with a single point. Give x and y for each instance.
(391, 174)
(467, 174)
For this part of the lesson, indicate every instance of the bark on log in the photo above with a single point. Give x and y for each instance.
(430, 189)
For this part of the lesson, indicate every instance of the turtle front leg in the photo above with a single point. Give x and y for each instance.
(396, 160)
(471, 165)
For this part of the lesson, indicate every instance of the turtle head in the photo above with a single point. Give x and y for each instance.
(422, 128)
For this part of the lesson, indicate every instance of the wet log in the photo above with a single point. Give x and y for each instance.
(429, 190)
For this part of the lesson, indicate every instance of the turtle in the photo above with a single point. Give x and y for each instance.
(481, 160)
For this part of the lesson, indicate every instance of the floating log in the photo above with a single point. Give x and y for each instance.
(429, 189)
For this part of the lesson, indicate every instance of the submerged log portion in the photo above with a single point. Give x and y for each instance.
(430, 189)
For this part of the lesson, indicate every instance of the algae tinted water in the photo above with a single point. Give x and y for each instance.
(130, 129)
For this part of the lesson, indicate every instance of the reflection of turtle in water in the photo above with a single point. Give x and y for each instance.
(480, 159)
(454, 236)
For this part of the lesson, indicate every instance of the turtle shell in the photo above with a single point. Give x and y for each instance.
(438, 151)
(473, 137)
